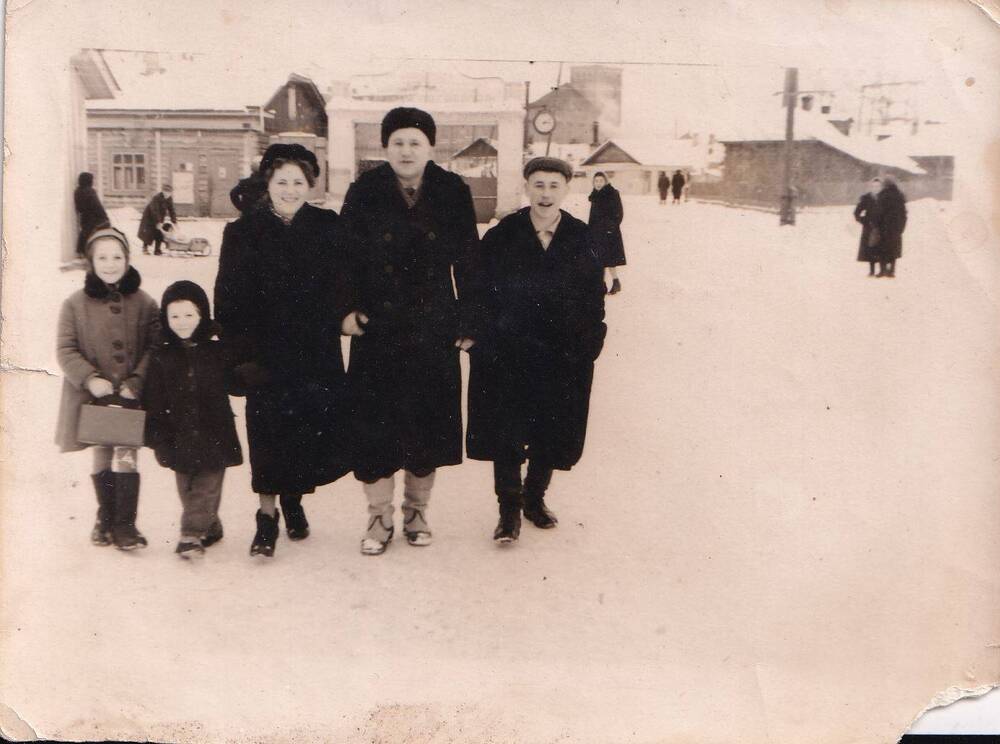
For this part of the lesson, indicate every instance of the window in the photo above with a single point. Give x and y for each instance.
(128, 171)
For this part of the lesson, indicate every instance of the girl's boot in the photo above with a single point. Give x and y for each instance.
(126, 536)
(267, 534)
(104, 486)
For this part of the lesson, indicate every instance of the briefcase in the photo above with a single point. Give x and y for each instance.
(112, 421)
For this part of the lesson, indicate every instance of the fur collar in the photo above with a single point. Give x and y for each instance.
(96, 288)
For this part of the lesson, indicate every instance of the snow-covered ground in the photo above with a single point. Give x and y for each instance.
(758, 526)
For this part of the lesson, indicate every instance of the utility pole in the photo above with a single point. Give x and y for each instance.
(555, 98)
(527, 103)
(791, 96)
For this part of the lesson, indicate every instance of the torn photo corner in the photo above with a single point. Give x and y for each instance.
(783, 525)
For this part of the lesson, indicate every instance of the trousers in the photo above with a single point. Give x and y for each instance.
(200, 495)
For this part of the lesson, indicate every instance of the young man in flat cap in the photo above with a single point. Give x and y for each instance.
(535, 314)
(409, 223)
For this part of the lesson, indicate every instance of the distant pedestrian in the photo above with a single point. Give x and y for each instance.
(89, 209)
(687, 185)
(866, 213)
(189, 422)
(105, 338)
(250, 192)
(677, 186)
(890, 221)
(606, 214)
(663, 185)
(156, 212)
(536, 314)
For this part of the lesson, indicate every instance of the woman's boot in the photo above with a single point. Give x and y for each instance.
(104, 486)
(267, 534)
(296, 524)
(124, 532)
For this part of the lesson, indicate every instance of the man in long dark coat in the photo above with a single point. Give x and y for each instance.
(408, 224)
(89, 209)
(891, 222)
(677, 186)
(159, 208)
(536, 310)
(663, 186)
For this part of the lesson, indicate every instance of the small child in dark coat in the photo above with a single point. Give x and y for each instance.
(189, 422)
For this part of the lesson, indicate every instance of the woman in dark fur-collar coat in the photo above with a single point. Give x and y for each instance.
(606, 215)
(408, 229)
(283, 286)
(865, 213)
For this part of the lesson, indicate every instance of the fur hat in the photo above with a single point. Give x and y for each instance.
(187, 290)
(405, 118)
(289, 152)
(549, 165)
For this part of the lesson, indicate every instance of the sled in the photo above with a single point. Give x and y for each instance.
(176, 243)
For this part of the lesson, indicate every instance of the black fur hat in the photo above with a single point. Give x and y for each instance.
(289, 152)
(187, 290)
(405, 118)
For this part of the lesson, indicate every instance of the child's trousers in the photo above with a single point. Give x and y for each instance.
(200, 496)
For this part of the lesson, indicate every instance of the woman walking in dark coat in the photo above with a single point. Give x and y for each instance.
(280, 293)
(891, 222)
(89, 209)
(606, 214)
(409, 223)
(866, 214)
(159, 208)
(536, 312)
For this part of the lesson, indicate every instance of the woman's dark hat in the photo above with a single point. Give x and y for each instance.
(405, 118)
(289, 152)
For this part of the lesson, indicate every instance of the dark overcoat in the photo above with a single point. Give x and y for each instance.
(104, 332)
(158, 208)
(891, 222)
(677, 185)
(537, 318)
(189, 422)
(89, 209)
(280, 294)
(866, 213)
(606, 214)
(404, 370)
(663, 185)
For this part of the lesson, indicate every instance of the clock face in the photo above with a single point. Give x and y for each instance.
(544, 122)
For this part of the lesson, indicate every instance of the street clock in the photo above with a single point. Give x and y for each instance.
(544, 122)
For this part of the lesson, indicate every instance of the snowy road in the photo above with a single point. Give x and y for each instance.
(765, 422)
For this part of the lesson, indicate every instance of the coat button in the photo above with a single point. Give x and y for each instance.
(115, 297)
(431, 235)
(388, 268)
(387, 305)
(117, 344)
(115, 309)
(387, 237)
(120, 358)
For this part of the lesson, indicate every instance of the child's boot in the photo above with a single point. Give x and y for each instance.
(416, 497)
(295, 517)
(213, 535)
(190, 547)
(267, 534)
(104, 486)
(126, 536)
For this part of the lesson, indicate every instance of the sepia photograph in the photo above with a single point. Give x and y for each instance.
(508, 372)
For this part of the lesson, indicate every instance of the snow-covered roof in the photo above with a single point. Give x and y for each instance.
(490, 144)
(659, 151)
(179, 81)
(571, 153)
(816, 127)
